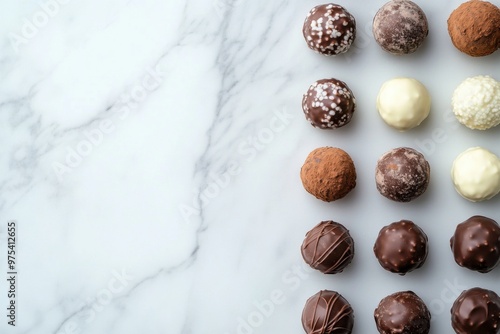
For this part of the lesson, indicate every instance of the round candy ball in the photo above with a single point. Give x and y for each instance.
(402, 313)
(476, 244)
(403, 103)
(329, 313)
(328, 247)
(400, 27)
(401, 247)
(402, 174)
(329, 29)
(476, 311)
(328, 173)
(474, 28)
(476, 174)
(328, 104)
(476, 102)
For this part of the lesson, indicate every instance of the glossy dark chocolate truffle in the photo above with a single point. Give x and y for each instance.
(401, 247)
(329, 29)
(402, 174)
(476, 311)
(402, 313)
(327, 312)
(400, 27)
(476, 244)
(328, 104)
(328, 247)
(328, 173)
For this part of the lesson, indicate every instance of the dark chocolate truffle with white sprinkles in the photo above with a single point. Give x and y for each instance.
(402, 174)
(476, 311)
(329, 29)
(402, 313)
(327, 312)
(401, 247)
(328, 104)
(400, 27)
(328, 247)
(476, 244)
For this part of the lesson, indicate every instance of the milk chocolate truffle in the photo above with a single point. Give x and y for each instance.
(327, 312)
(400, 27)
(401, 247)
(476, 311)
(328, 104)
(328, 173)
(476, 244)
(402, 313)
(328, 247)
(329, 29)
(402, 174)
(474, 28)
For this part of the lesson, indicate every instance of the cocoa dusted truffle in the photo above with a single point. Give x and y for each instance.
(476, 311)
(327, 312)
(402, 174)
(328, 247)
(329, 29)
(401, 247)
(328, 104)
(476, 244)
(474, 28)
(400, 27)
(328, 173)
(402, 313)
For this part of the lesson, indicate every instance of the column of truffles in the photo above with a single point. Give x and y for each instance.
(402, 174)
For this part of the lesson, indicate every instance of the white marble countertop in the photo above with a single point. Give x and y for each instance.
(151, 152)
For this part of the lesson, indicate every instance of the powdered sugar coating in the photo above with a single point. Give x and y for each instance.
(476, 102)
(329, 29)
(328, 104)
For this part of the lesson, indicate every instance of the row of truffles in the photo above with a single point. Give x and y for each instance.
(400, 27)
(475, 311)
(402, 247)
(401, 174)
(403, 103)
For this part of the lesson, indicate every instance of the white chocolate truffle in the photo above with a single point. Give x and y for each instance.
(476, 174)
(476, 102)
(403, 103)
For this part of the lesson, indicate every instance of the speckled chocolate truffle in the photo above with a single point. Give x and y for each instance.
(402, 174)
(328, 104)
(476, 244)
(400, 27)
(402, 313)
(328, 247)
(327, 312)
(401, 247)
(328, 173)
(476, 311)
(474, 28)
(329, 29)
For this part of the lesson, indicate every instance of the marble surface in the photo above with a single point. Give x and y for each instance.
(151, 153)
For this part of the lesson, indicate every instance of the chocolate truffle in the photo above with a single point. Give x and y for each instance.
(328, 173)
(400, 27)
(474, 28)
(401, 247)
(476, 311)
(329, 29)
(476, 102)
(402, 174)
(476, 244)
(476, 174)
(328, 104)
(402, 313)
(327, 312)
(328, 247)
